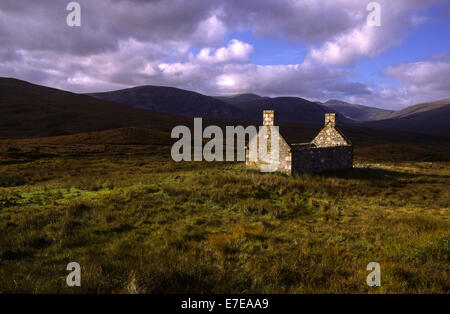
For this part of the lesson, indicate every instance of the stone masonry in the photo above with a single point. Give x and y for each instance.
(329, 150)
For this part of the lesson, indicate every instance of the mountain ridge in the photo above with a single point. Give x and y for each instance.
(358, 112)
(239, 106)
(167, 99)
(30, 110)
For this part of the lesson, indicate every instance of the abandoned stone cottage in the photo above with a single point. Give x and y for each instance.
(329, 150)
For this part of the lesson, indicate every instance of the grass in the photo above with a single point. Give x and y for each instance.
(138, 222)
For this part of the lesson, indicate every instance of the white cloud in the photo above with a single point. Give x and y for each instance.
(236, 51)
(347, 48)
(417, 82)
(362, 40)
(420, 81)
(211, 31)
(226, 81)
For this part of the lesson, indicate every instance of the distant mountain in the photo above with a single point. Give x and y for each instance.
(238, 98)
(29, 110)
(358, 112)
(171, 100)
(427, 118)
(422, 107)
(242, 106)
(289, 109)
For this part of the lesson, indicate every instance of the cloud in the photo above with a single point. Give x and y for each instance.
(210, 31)
(41, 25)
(362, 40)
(307, 21)
(430, 74)
(236, 51)
(416, 82)
(124, 43)
(294, 79)
(348, 47)
(420, 81)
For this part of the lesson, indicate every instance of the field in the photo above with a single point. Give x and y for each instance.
(137, 222)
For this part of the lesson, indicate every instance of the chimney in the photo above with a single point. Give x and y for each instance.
(331, 119)
(269, 117)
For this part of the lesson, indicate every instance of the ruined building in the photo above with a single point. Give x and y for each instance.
(329, 150)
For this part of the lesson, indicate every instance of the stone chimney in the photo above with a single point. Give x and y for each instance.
(331, 119)
(269, 117)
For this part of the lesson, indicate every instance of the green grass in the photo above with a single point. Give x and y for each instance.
(138, 222)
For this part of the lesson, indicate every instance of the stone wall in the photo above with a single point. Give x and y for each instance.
(329, 136)
(321, 159)
(284, 157)
(330, 118)
(329, 150)
(270, 117)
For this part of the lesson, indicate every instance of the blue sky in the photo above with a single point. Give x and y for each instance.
(431, 38)
(271, 50)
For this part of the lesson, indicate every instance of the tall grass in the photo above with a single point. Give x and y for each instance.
(144, 224)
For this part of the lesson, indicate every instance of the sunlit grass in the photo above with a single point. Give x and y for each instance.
(142, 223)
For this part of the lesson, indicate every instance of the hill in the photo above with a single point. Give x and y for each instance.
(170, 100)
(358, 112)
(289, 109)
(421, 108)
(241, 106)
(430, 119)
(29, 110)
(238, 98)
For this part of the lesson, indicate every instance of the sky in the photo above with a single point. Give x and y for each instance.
(315, 49)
